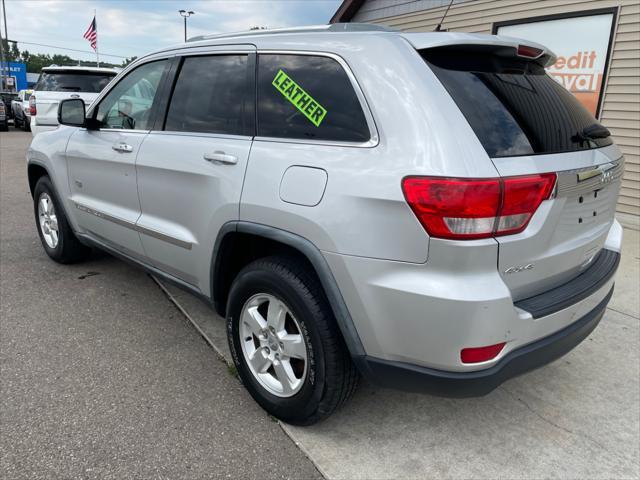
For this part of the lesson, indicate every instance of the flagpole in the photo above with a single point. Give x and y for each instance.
(95, 16)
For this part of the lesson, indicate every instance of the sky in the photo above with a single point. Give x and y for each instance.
(129, 28)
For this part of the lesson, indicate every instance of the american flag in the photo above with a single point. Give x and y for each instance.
(92, 34)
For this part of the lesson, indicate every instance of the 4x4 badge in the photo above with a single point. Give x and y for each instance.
(519, 268)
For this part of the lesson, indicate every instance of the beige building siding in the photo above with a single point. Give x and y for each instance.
(621, 108)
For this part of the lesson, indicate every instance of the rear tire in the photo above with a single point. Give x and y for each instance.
(58, 240)
(319, 375)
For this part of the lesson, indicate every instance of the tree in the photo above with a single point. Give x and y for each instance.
(36, 61)
(11, 52)
(14, 53)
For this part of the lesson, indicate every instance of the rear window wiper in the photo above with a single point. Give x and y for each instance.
(592, 132)
(75, 89)
(596, 131)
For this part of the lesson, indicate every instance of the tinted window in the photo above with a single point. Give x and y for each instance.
(513, 106)
(211, 95)
(307, 97)
(73, 81)
(128, 104)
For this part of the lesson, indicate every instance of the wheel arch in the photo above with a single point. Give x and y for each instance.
(34, 172)
(239, 243)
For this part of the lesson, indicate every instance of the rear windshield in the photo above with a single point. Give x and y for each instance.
(73, 81)
(513, 106)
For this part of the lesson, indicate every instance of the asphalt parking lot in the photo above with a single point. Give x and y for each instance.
(103, 377)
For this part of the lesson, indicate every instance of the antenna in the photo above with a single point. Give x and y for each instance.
(439, 26)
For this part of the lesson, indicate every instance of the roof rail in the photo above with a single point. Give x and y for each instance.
(334, 27)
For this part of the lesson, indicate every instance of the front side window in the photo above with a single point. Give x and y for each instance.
(212, 95)
(128, 104)
(308, 97)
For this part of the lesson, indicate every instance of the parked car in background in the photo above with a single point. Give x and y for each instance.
(21, 112)
(4, 118)
(58, 83)
(354, 200)
(7, 98)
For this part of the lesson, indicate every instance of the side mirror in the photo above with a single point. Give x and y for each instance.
(71, 112)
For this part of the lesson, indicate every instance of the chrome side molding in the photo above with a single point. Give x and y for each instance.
(138, 228)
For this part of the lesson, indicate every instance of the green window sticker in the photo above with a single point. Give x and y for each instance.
(300, 99)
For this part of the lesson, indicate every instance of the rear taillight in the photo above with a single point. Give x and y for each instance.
(466, 209)
(32, 106)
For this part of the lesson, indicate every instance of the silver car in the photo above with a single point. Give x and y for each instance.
(429, 211)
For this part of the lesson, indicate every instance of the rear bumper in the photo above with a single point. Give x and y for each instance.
(408, 377)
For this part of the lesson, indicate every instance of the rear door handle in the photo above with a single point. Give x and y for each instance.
(220, 157)
(122, 147)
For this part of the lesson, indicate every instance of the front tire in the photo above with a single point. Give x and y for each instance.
(285, 342)
(58, 240)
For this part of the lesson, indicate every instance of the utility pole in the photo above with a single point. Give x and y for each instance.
(5, 63)
(184, 14)
(4, 13)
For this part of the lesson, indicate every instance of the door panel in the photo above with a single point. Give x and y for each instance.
(185, 199)
(190, 174)
(102, 170)
(102, 181)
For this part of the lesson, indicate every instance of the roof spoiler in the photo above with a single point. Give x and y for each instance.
(519, 47)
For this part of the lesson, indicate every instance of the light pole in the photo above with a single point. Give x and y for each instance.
(184, 14)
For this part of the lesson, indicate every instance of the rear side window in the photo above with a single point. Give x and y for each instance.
(513, 106)
(73, 81)
(212, 95)
(308, 97)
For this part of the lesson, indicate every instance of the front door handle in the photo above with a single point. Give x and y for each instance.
(220, 157)
(122, 147)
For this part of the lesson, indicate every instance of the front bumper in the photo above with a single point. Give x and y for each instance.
(408, 377)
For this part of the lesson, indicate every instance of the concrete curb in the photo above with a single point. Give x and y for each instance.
(223, 355)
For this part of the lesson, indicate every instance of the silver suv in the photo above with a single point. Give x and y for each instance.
(430, 211)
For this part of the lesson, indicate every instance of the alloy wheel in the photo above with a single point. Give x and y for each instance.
(273, 345)
(48, 220)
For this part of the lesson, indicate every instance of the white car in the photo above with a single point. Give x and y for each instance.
(21, 111)
(58, 83)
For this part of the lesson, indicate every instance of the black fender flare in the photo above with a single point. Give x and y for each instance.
(317, 260)
(53, 182)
